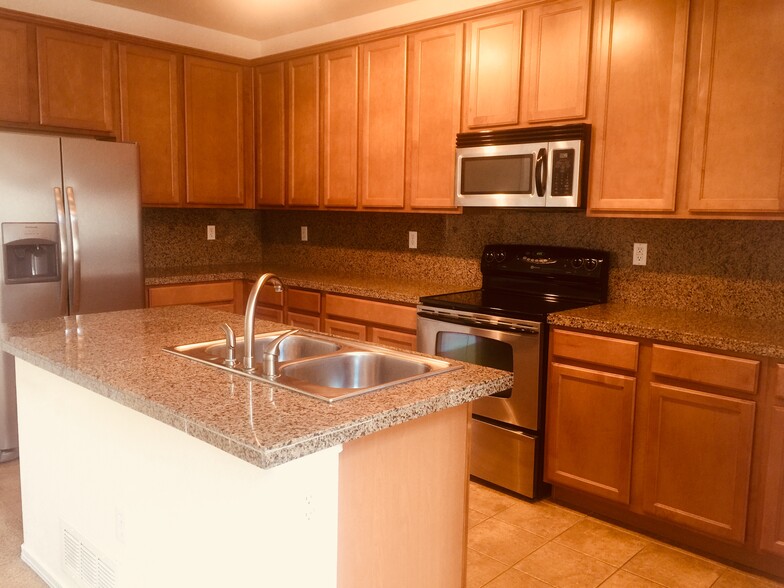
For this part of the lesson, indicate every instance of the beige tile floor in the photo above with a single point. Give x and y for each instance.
(518, 544)
(511, 544)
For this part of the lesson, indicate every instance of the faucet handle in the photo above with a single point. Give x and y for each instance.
(270, 366)
(231, 345)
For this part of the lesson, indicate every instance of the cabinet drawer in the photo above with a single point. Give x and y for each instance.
(710, 369)
(617, 353)
(305, 300)
(371, 311)
(191, 293)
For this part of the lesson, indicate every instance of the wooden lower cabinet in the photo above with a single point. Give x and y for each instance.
(380, 322)
(698, 460)
(773, 500)
(346, 329)
(404, 341)
(590, 420)
(218, 295)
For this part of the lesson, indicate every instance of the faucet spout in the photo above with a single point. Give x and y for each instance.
(250, 317)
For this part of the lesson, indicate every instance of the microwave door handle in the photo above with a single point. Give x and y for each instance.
(540, 172)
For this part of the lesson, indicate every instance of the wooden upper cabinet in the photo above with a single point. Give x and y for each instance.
(491, 95)
(150, 114)
(303, 127)
(17, 72)
(558, 45)
(382, 133)
(435, 68)
(75, 81)
(215, 132)
(638, 102)
(698, 460)
(270, 135)
(738, 154)
(340, 120)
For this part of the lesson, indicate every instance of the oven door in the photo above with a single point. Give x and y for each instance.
(514, 351)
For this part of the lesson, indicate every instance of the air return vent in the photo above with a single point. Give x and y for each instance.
(82, 562)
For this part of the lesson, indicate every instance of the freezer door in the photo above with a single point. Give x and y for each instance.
(29, 177)
(101, 186)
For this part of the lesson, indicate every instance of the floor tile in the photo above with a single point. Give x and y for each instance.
(488, 501)
(602, 541)
(565, 568)
(475, 517)
(673, 568)
(480, 569)
(734, 579)
(513, 578)
(624, 579)
(540, 518)
(502, 541)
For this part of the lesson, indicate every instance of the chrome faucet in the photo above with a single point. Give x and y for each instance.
(250, 316)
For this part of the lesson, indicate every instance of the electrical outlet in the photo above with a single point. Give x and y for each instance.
(640, 254)
(412, 239)
(210, 232)
(303, 233)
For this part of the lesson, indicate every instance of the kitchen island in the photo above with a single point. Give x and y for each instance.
(149, 469)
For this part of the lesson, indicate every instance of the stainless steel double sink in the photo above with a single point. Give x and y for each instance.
(324, 367)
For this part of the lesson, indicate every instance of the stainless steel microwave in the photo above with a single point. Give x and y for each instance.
(533, 167)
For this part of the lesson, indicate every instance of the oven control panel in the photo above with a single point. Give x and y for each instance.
(532, 259)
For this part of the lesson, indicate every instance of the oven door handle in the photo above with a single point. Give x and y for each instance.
(480, 324)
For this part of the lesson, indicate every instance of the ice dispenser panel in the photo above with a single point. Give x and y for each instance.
(30, 252)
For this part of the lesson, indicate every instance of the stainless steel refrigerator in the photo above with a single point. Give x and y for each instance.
(70, 219)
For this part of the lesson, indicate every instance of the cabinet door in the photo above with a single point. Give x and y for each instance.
(558, 46)
(588, 439)
(345, 329)
(382, 134)
(435, 67)
(738, 156)
(698, 460)
(17, 70)
(638, 99)
(397, 339)
(150, 116)
(270, 135)
(75, 80)
(773, 501)
(491, 96)
(215, 132)
(303, 321)
(340, 116)
(303, 121)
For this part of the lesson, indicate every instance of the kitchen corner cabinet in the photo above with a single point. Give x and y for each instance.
(435, 67)
(638, 96)
(590, 414)
(270, 135)
(340, 123)
(150, 114)
(736, 163)
(217, 113)
(382, 129)
(303, 131)
(17, 70)
(491, 95)
(75, 80)
(371, 320)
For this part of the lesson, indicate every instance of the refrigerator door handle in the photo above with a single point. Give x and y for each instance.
(76, 274)
(61, 229)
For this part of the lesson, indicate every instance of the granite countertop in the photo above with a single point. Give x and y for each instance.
(714, 331)
(389, 289)
(119, 355)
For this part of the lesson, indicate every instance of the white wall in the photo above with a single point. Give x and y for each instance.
(163, 29)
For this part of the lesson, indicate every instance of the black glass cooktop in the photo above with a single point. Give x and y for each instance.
(502, 303)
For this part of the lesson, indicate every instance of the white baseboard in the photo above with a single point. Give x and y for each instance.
(40, 570)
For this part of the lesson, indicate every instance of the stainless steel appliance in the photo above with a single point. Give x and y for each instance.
(504, 325)
(536, 167)
(70, 222)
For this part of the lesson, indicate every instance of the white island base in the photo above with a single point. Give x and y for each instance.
(114, 498)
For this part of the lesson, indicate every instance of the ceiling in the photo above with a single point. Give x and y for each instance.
(257, 19)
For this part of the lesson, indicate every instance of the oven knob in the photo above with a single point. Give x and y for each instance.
(577, 262)
(590, 264)
(500, 256)
(489, 255)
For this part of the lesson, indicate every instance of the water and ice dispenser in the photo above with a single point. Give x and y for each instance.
(30, 252)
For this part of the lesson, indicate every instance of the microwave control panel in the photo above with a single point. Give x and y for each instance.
(563, 172)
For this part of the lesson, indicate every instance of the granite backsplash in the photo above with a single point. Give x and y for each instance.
(727, 267)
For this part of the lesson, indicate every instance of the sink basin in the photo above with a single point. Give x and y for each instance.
(320, 366)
